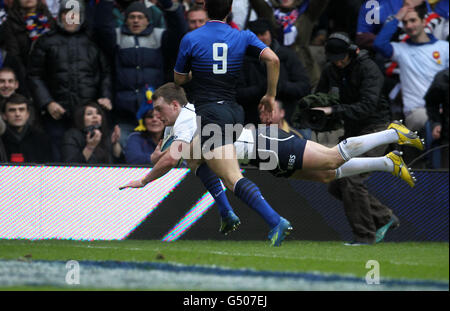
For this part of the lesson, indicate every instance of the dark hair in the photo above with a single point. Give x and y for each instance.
(10, 70)
(79, 117)
(101, 151)
(259, 26)
(218, 9)
(170, 92)
(16, 99)
(196, 8)
(421, 10)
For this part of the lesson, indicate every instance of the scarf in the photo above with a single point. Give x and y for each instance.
(36, 24)
(287, 21)
(16, 136)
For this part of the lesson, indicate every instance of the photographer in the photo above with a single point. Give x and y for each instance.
(90, 142)
(358, 82)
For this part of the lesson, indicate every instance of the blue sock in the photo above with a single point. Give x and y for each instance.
(214, 186)
(249, 193)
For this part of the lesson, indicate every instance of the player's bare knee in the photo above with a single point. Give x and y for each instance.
(327, 176)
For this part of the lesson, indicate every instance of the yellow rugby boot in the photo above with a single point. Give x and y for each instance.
(400, 168)
(406, 136)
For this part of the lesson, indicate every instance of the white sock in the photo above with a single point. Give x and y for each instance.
(358, 145)
(363, 165)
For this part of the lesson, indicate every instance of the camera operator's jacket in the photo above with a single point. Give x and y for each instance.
(362, 102)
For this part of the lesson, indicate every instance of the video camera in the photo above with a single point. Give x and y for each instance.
(306, 117)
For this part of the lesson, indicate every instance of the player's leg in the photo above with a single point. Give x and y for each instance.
(229, 221)
(392, 163)
(224, 163)
(396, 133)
(318, 157)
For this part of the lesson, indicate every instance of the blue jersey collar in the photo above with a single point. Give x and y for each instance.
(432, 40)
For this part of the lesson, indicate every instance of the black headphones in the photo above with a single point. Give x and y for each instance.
(352, 48)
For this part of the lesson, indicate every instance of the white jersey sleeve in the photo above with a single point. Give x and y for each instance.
(186, 124)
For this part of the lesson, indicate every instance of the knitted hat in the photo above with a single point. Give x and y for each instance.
(137, 7)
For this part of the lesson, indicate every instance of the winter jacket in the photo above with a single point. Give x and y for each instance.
(359, 85)
(138, 59)
(139, 148)
(18, 42)
(293, 82)
(68, 68)
(32, 144)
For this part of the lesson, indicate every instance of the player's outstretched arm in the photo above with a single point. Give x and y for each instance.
(267, 103)
(168, 160)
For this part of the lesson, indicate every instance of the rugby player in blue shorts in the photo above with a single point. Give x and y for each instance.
(210, 58)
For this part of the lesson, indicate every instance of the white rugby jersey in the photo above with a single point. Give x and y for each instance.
(418, 64)
(185, 126)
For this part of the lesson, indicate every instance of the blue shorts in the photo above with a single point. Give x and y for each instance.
(289, 150)
(217, 116)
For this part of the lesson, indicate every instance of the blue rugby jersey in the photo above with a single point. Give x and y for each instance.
(215, 54)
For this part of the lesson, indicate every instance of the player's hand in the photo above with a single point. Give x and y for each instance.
(266, 108)
(133, 184)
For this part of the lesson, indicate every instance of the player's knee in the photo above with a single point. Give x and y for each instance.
(330, 164)
(327, 176)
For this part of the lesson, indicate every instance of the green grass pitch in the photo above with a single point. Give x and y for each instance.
(400, 261)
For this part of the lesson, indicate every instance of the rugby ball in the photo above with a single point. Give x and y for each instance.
(166, 145)
(167, 141)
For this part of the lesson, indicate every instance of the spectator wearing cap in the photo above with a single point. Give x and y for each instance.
(155, 13)
(358, 82)
(141, 52)
(293, 81)
(67, 70)
(22, 141)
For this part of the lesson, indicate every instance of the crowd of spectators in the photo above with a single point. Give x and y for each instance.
(74, 73)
